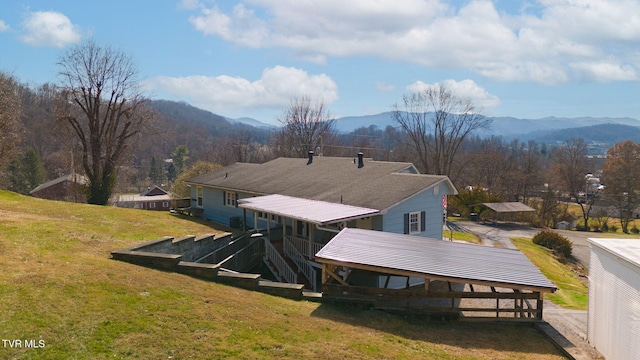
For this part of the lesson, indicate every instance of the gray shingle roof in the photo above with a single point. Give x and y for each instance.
(76, 178)
(378, 185)
(423, 256)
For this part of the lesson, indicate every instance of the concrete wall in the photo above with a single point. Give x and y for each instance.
(153, 254)
(190, 247)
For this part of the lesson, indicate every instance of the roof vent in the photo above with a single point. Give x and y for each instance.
(360, 160)
(310, 157)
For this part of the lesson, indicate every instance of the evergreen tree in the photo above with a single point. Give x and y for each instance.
(180, 156)
(156, 171)
(27, 172)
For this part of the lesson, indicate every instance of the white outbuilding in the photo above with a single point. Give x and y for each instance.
(614, 297)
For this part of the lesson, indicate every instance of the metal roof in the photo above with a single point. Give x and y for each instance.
(627, 249)
(508, 207)
(424, 257)
(314, 211)
(377, 185)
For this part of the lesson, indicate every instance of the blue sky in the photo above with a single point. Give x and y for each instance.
(527, 59)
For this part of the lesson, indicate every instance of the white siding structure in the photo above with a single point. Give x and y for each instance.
(614, 297)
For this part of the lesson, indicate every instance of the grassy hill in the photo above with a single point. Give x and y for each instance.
(60, 286)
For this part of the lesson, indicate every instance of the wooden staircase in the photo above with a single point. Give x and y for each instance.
(301, 277)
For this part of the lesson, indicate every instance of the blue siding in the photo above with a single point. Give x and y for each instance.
(393, 221)
(214, 209)
(427, 201)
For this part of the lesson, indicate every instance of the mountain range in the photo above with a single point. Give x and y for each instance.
(604, 131)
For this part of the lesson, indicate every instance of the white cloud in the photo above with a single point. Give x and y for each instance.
(465, 89)
(49, 28)
(3, 26)
(540, 43)
(224, 94)
(382, 86)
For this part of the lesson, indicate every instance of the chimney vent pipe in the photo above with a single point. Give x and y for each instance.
(310, 157)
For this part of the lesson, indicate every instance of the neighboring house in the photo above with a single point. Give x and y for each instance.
(154, 198)
(69, 188)
(404, 200)
(614, 297)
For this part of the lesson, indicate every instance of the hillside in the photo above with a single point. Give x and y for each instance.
(60, 286)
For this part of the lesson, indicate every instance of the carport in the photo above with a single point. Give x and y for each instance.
(509, 211)
(457, 278)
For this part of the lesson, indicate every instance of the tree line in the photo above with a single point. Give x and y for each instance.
(97, 122)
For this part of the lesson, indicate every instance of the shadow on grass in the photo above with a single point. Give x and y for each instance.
(480, 335)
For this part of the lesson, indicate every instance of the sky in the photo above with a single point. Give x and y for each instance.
(525, 59)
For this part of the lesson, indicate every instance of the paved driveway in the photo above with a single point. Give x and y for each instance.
(502, 233)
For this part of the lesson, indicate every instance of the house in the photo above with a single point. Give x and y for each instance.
(405, 200)
(154, 198)
(65, 188)
(302, 204)
(614, 297)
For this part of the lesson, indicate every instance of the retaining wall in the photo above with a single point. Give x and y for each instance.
(179, 256)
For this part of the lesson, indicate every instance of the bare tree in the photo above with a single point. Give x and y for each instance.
(307, 126)
(621, 176)
(103, 105)
(10, 112)
(437, 122)
(569, 166)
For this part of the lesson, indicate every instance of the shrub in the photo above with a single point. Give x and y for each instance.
(635, 230)
(554, 241)
(613, 228)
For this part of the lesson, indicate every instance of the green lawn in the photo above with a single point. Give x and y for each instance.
(60, 286)
(572, 292)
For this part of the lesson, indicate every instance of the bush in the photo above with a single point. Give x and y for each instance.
(635, 230)
(613, 228)
(554, 241)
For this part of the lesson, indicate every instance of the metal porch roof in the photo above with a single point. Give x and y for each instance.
(508, 207)
(314, 211)
(399, 254)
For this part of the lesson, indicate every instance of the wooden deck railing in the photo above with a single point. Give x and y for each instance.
(305, 247)
(520, 305)
(303, 264)
(284, 270)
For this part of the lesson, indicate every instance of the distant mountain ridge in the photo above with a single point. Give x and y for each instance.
(550, 130)
(503, 126)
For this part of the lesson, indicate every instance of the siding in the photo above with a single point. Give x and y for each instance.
(427, 201)
(213, 208)
(614, 305)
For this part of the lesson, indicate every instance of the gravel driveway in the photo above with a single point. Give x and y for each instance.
(503, 233)
(568, 328)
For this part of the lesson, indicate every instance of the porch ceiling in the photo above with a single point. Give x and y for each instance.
(313, 211)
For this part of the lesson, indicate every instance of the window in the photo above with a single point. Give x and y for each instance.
(276, 219)
(152, 205)
(165, 204)
(199, 196)
(302, 230)
(414, 222)
(230, 198)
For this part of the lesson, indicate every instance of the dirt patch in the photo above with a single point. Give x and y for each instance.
(6, 215)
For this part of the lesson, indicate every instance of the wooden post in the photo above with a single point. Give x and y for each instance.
(539, 306)
(255, 220)
(244, 220)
